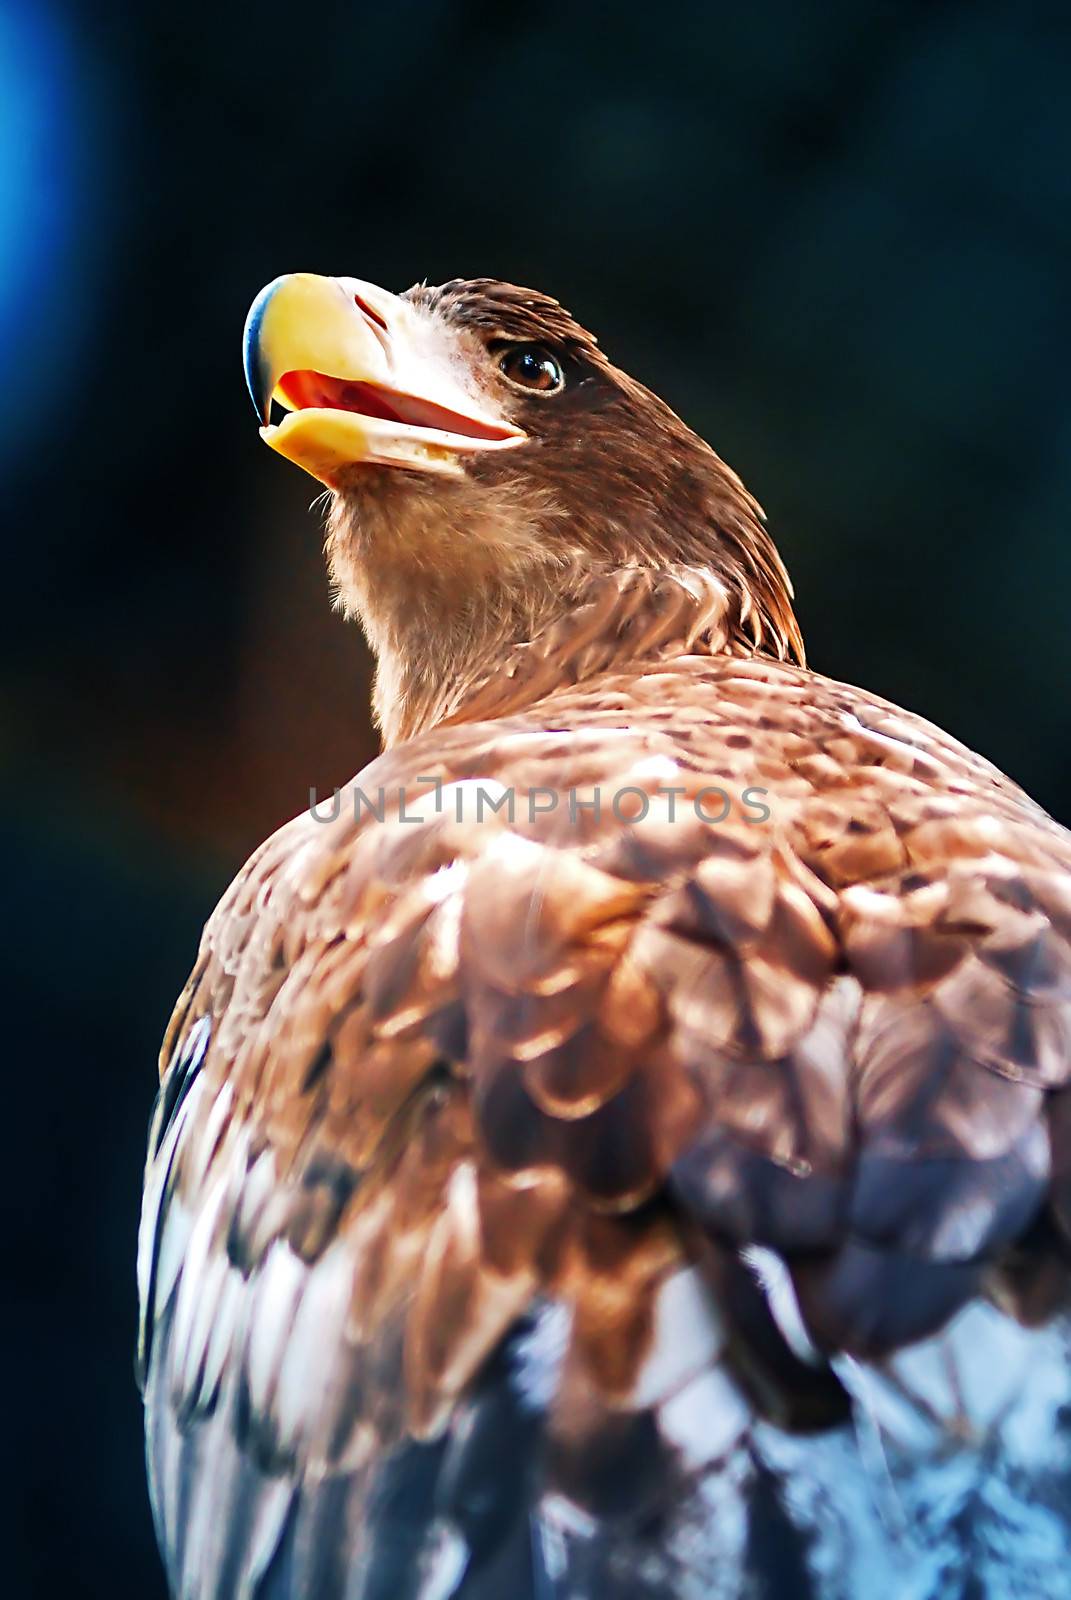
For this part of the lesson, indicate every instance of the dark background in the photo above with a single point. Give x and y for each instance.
(836, 237)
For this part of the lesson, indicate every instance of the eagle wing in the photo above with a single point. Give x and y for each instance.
(518, 1163)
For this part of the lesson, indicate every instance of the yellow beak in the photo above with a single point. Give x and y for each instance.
(367, 379)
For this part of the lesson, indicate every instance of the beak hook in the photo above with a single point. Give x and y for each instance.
(257, 375)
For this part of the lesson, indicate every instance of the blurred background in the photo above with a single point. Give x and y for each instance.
(836, 238)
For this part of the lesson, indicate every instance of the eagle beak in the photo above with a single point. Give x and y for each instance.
(366, 378)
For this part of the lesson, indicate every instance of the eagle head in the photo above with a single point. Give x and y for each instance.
(485, 460)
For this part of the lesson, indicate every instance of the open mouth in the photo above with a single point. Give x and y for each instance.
(305, 391)
(334, 426)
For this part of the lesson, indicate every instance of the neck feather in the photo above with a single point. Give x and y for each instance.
(590, 622)
(482, 607)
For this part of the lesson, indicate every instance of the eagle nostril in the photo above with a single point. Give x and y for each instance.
(370, 312)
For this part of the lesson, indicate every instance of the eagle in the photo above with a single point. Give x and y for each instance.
(618, 1147)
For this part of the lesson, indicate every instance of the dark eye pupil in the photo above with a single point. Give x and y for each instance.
(532, 367)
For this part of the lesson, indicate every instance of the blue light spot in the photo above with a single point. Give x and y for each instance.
(44, 158)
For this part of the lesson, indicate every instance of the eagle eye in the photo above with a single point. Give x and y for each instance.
(530, 366)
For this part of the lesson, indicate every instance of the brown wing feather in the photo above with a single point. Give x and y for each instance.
(462, 1067)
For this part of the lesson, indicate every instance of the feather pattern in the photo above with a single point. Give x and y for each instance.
(485, 1106)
